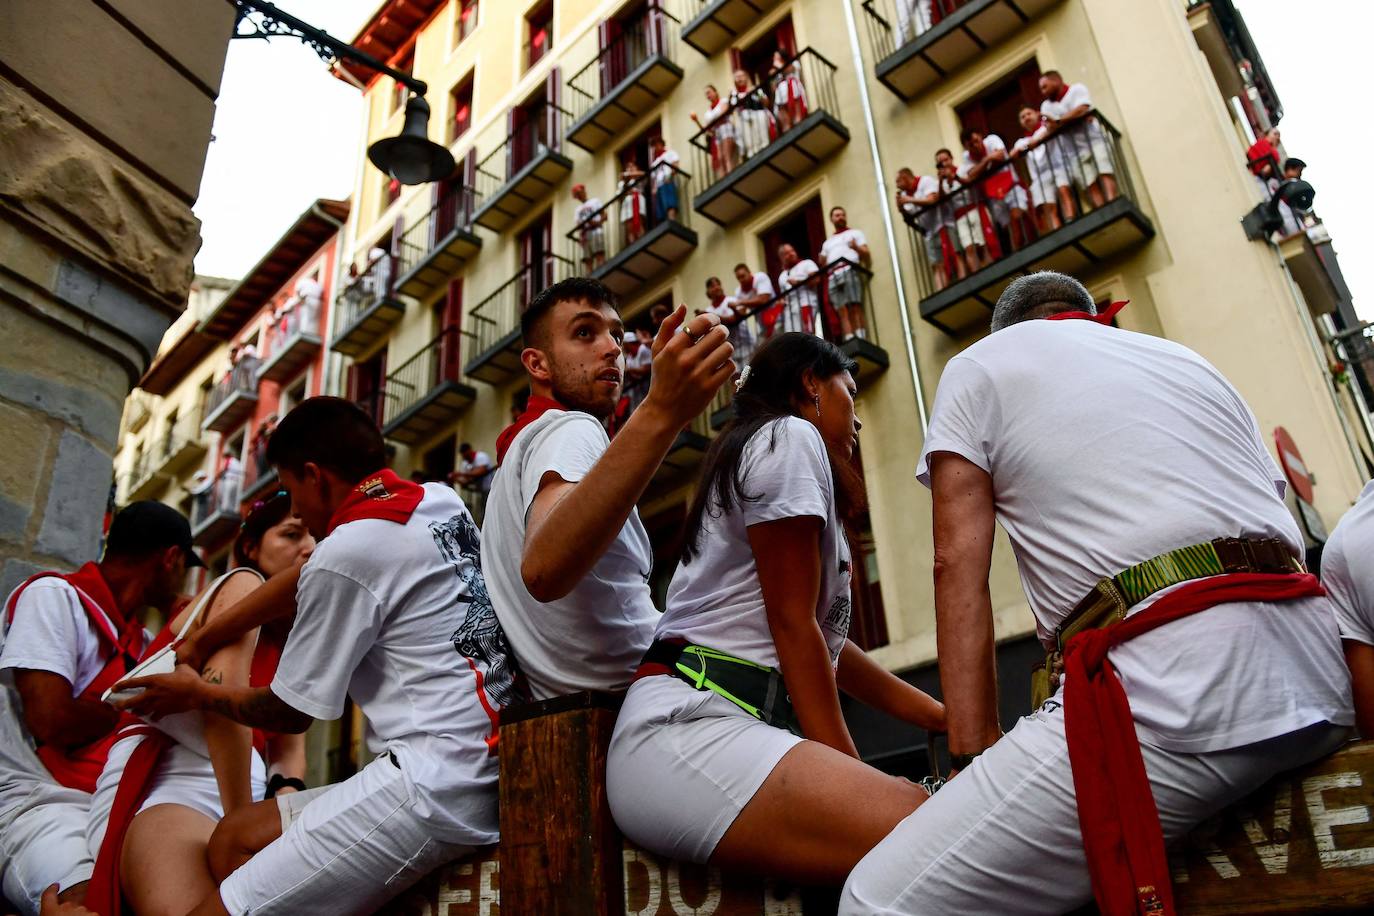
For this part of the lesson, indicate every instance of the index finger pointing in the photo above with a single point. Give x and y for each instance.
(668, 328)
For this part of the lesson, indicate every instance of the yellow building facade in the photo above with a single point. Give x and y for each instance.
(536, 97)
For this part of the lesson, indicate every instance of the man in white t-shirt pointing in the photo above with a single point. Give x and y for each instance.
(1130, 474)
(392, 613)
(566, 557)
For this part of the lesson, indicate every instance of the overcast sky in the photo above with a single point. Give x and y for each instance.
(286, 132)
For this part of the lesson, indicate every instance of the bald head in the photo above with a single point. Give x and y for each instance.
(1040, 295)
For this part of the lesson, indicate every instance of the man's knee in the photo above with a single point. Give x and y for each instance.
(240, 835)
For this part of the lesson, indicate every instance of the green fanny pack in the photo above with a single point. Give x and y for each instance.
(754, 688)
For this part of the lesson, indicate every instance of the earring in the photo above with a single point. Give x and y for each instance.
(817, 399)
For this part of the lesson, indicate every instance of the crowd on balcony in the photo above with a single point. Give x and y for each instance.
(643, 199)
(1264, 157)
(998, 198)
(297, 313)
(739, 125)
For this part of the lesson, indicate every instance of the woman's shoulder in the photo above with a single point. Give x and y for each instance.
(786, 435)
(233, 586)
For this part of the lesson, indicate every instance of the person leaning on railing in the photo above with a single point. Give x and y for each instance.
(722, 140)
(1049, 176)
(1068, 110)
(663, 167)
(918, 200)
(846, 285)
(789, 94)
(591, 229)
(633, 212)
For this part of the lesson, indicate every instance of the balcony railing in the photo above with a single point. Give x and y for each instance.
(523, 170)
(920, 42)
(437, 245)
(425, 394)
(632, 74)
(291, 341)
(687, 449)
(181, 444)
(232, 399)
(139, 410)
(711, 25)
(215, 511)
(639, 233)
(759, 143)
(145, 479)
(491, 333)
(1066, 205)
(367, 308)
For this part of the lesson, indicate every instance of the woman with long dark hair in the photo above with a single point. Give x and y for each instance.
(731, 747)
(159, 809)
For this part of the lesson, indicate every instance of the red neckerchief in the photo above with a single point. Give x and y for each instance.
(1116, 810)
(1103, 317)
(1063, 91)
(381, 495)
(536, 408)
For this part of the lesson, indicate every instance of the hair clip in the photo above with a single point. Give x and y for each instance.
(743, 377)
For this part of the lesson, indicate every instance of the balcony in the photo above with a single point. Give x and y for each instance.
(753, 157)
(234, 398)
(138, 409)
(491, 340)
(632, 239)
(146, 480)
(259, 479)
(521, 173)
(291, 342)
(366, 310)
(182, 445)
(436, 247)
(714, 24)
(424, 395)
(1068, 206)
(215, 511)
(917, 46)
(687, 450)
(631, 75)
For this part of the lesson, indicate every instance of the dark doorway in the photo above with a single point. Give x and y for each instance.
(757, 59)
(440, 461)
(638, 148)
(366, 383)
(803, 229)
(536, 267)
(994, 109)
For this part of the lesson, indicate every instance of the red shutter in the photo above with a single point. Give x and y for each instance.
(450, 363)
(553, 94)
(515, 119)
(786, 38)
(736, 63)
(603, 62)
(351, 382)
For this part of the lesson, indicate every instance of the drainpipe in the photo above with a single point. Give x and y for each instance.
(333, 361)
(885, 207)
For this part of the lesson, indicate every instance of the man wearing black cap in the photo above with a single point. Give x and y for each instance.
(64, 639)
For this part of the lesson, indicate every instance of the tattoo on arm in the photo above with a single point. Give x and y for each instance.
(258, 707)
(213, 676)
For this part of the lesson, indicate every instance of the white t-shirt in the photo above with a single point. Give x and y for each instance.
(928, 216)
(479, 460)
(843, 245)
(309, 290)
(1076, 96)
(1045, 163)
(661, 169)
(715, 599)
(1107, 448)
(641, 358)
(594, 637)
(397, 618)
(796, 293)
(1348, 569)
(991, 144)
(741, 334)
(585, 210)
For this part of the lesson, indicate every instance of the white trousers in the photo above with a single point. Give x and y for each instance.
(44, 843)
(1003, 836)
(351, 849)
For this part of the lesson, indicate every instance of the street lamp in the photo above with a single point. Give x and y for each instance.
(411, 158)
(1265, 219)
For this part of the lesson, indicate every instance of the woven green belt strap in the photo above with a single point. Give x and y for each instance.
(1144, 579)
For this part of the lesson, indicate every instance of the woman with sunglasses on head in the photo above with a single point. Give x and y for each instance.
(158, 799)
(731, 747)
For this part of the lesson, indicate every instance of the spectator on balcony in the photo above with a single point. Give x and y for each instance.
(722, 141)
(658, 313)
(1292, 171)
(663, 165)
(732, 317)
(846, 284)
(799, 284)
(591, 228)
(789, 95)
(918, 199)
(379, 270)
(228, 481)
(986, 164)
(1263, 155)
(1068, 113)
(258, 447)
(473, 478)
(309, 294)
(913, 19)
(633, 214)
(200, 490)
(753, 294)
(1049, 176)
(639, 360)
(753, 113)
(953, 196)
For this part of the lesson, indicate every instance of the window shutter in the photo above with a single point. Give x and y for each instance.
(553, 94)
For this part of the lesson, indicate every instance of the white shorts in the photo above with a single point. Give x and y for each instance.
(349, 849)
(969, 228)
(1003, 836)
(682, 765)
(43, 842)
(183, 778)
(1094, 159)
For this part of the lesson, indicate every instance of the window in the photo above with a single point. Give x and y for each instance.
(440, 461)
(461, 101)
(292, 396)
(391, 191)
(465, 21)
(539, 25)
(398, 89)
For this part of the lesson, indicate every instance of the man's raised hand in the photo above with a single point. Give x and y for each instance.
(689, 366)
(161, 694)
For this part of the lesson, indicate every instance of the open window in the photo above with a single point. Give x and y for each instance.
(803, 229)
(757, 58)
(536, 266)
(366, 382)
(460, 100)
(994, 110)
(464, 21)
(539, 32)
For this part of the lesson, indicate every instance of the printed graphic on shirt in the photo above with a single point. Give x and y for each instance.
(837, 621)
(480, 637)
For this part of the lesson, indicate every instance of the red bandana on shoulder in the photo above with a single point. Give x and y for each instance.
(536, 408)
(1103, 317)
(381, 495)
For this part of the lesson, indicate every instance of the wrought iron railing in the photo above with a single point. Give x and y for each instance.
(542, 131)
(185, 431)
(747, 123)
(894, 23)
(970, 226)
(453, 211)
(662, 194)
(377, 281)
(634, 394)
(241, 379)
(654, 32)
(498, 315)
(302, 317)
(221, 497)
(437, 362)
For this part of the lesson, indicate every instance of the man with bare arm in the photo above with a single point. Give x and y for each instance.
(566, 557)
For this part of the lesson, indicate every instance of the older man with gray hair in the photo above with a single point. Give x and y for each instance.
(1164, 574)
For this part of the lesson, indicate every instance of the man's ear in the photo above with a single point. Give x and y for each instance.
(536, 363)
(312, 474)
(167, 560)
